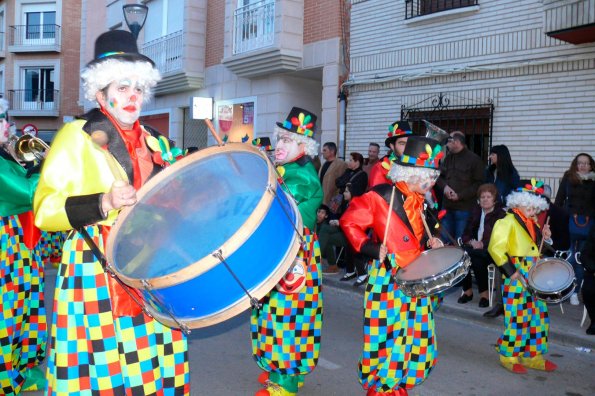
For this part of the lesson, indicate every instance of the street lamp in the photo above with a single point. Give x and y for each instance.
(135, 16)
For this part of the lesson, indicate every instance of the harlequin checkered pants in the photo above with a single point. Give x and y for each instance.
(286, 330)
(526, 319)
(94, 353)
(23, 327)
(50, 245)
(399, 342)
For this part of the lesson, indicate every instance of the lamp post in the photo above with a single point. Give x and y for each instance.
(135, 16)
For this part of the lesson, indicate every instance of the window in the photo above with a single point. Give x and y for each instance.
(415, 8)
(38, 92)
(40, 25)
(164, 18)
(254, 25)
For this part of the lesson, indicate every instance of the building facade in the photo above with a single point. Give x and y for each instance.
(519, 73)
(253, 59)
(39, 62)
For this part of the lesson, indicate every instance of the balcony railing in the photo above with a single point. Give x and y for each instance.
(253, 26)
(34, 100)
(166, 52)
(34, 35)
(416, 8)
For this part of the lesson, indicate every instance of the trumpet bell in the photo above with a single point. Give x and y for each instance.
(436, 133)
(29, 148)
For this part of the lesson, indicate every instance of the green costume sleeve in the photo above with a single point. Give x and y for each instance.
(15, 188)
(304, 184)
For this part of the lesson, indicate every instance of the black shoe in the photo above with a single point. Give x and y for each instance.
(484, 302)
(591, 330)
(348, 276)
(360, 281)
(464, 299)
(495, 312)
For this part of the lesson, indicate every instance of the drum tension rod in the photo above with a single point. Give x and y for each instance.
(274, 192)
(163, 307)
(254, 303)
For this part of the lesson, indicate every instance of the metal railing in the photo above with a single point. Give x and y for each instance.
(166, 52)
(34, 99)
(34, 35)
(253, 26)
(415, 8)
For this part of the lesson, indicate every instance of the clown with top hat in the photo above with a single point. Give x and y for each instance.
(286, 329)
(396, 139)
(102, 343)
(399, 341)
(514, 248)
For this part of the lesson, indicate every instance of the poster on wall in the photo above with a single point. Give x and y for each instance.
(225, 117)
(248, 113)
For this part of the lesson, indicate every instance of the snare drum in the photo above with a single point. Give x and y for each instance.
(551, 279)
(206, 232)
(435, 270)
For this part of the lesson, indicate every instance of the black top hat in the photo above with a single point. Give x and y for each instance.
(396, 130)
(263, 143)
(299, 121)
(422, 152)
(117, 44)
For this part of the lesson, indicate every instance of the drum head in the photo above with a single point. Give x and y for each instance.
(551, 274)
(431, 262)
(209, 201)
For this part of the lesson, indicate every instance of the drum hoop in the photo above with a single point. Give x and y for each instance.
(539, 263)
(227, 248)
(437, 275)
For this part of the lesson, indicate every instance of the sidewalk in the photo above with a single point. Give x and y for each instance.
(564, 327)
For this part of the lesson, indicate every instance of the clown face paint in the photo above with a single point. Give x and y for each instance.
(287, 149)
(4, 130)
(123, 101)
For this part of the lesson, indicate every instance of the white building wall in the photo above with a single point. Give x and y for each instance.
(543, 89)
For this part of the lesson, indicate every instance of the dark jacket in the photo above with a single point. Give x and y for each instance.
(357, 180)
(473, 224)
(503, 188)
(464, 173)
(559, 226)
(576, 198)
(588, 252)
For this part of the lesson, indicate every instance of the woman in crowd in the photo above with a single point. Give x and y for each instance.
(23, 326)
(575, 193)
(501, 171)
(476, 238)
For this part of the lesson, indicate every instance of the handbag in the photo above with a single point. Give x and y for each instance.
(579, 226)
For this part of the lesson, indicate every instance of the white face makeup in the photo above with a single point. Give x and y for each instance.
(4, 130)
(287, 149)
(123, 101)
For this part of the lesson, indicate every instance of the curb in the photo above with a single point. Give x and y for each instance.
(564, 329)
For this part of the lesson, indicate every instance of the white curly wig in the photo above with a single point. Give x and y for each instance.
(412, 174)
(310, 145)
(523, 199)
(3, 105)
(99, 75)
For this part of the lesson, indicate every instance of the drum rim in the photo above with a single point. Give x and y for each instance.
(227, 248)
(539, 262)
(400, 281)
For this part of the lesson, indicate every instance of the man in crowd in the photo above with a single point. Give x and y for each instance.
(373, 158)
(332, 168)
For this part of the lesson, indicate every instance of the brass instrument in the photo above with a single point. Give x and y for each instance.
(27, 148)
(436, 133)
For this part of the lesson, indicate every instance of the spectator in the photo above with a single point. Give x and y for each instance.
(558, 220)
(461, 175)
(575, 194)
(330, 238)
(501, 171)
(476, 238)
(398, 132)
(587, 258)
(373, 157)
(514, 248)
(332, 168)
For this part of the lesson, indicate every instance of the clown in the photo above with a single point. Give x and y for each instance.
(23, 326)
(95, 166)
(286, 346)
(399, 342)
(396, 139)
(513, 247)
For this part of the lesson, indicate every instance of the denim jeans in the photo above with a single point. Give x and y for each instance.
(454, 222)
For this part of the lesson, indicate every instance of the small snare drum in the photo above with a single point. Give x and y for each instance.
(552, 280)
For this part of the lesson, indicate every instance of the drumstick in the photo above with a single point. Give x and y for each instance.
(547, 221)
(213, 132)
(388, 216)
(423, 219)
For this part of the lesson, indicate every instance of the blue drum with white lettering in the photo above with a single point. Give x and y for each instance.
(206, 234)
